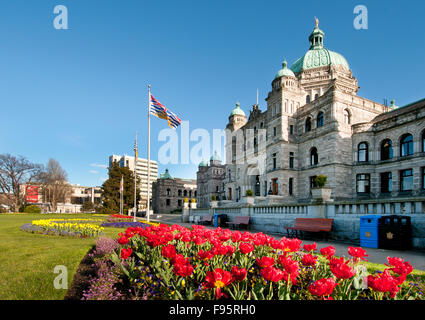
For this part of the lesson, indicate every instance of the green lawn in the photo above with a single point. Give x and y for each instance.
(27, 260)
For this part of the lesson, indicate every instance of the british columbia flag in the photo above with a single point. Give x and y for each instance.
(158, 110)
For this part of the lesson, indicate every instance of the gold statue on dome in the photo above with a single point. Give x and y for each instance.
(317, 22)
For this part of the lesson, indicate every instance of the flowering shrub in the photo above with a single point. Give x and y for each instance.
(173, 262)
(67, 227)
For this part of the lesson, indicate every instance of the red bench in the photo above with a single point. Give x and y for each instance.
(206, 220)
(239, 221)
(310, 225)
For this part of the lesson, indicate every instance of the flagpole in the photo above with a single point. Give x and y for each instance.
(135, 178)
(121, 187)
(149, 152)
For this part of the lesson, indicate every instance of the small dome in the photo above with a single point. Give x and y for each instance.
(166, 175)
(238, 111)
(215, 157)
(285, 71)
(203, 164)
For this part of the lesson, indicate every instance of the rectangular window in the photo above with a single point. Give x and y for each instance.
(363, 183)
(274, 131)
(386, 182)
(312, 182)
(291, 129)
(423, 178)
(275, 187)
(291, 160)
(291, 186)
(179, 203)
(274, 161)
(406, 180)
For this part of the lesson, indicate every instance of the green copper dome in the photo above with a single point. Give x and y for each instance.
(318, 56)
(203, 164)
(166, 175)
(284, 72)
(215, 157)
(238, 111)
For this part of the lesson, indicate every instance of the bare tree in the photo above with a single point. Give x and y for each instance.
(15, 171)
(55, 186)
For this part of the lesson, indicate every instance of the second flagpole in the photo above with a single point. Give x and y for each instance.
(149, 152)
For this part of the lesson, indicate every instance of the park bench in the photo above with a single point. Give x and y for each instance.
(310, 225)
(206, 220)
(239, 221)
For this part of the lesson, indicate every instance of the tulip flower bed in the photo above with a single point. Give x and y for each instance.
(65, 227)
(119, 218)
(173, 262)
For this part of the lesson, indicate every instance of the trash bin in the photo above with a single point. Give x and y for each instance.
(395, 232)
(369, 231)
(222, 218)
(219, 220)
(215, 220)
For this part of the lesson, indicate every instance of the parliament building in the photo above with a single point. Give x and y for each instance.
(316, 124)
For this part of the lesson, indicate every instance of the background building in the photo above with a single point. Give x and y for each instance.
(169, 193)
(210, 182)
(142, 174)
(71, 202)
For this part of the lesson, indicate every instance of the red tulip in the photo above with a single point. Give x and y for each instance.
(123, 240)
(169, 251)
(309, 260)
(126, 253)
(328, 252)
(341, 269)
(183, 270)
(245, 248)
(217, 279)
(322, 287)
(265, 262)
(357, 253)
(384, 282)
(273, 274)
(310, 247)
(239, 274)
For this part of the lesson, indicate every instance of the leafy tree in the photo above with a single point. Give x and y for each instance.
(87, 206)
(111, 190)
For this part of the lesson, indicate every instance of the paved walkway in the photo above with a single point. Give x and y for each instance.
(416, 258)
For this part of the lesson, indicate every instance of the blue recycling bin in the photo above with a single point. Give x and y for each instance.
(215, 220)
(369, 231)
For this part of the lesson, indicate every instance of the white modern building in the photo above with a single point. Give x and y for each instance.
(142, 173)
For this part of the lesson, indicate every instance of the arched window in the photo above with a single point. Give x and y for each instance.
(168, 192)
(185, 193)
(308, 124)
(316, 96)
(179, 193)
(314, 157)
(406, 145)
(319, 119)
(347, 117)
(386, 149)
(363, 152)
(307, 99)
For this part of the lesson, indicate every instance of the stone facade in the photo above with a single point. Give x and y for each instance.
(209, 181)
(169, 193)
(316, 124)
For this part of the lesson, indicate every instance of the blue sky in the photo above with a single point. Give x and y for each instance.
(79, 95)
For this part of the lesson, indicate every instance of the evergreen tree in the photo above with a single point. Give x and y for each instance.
(111, 190)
